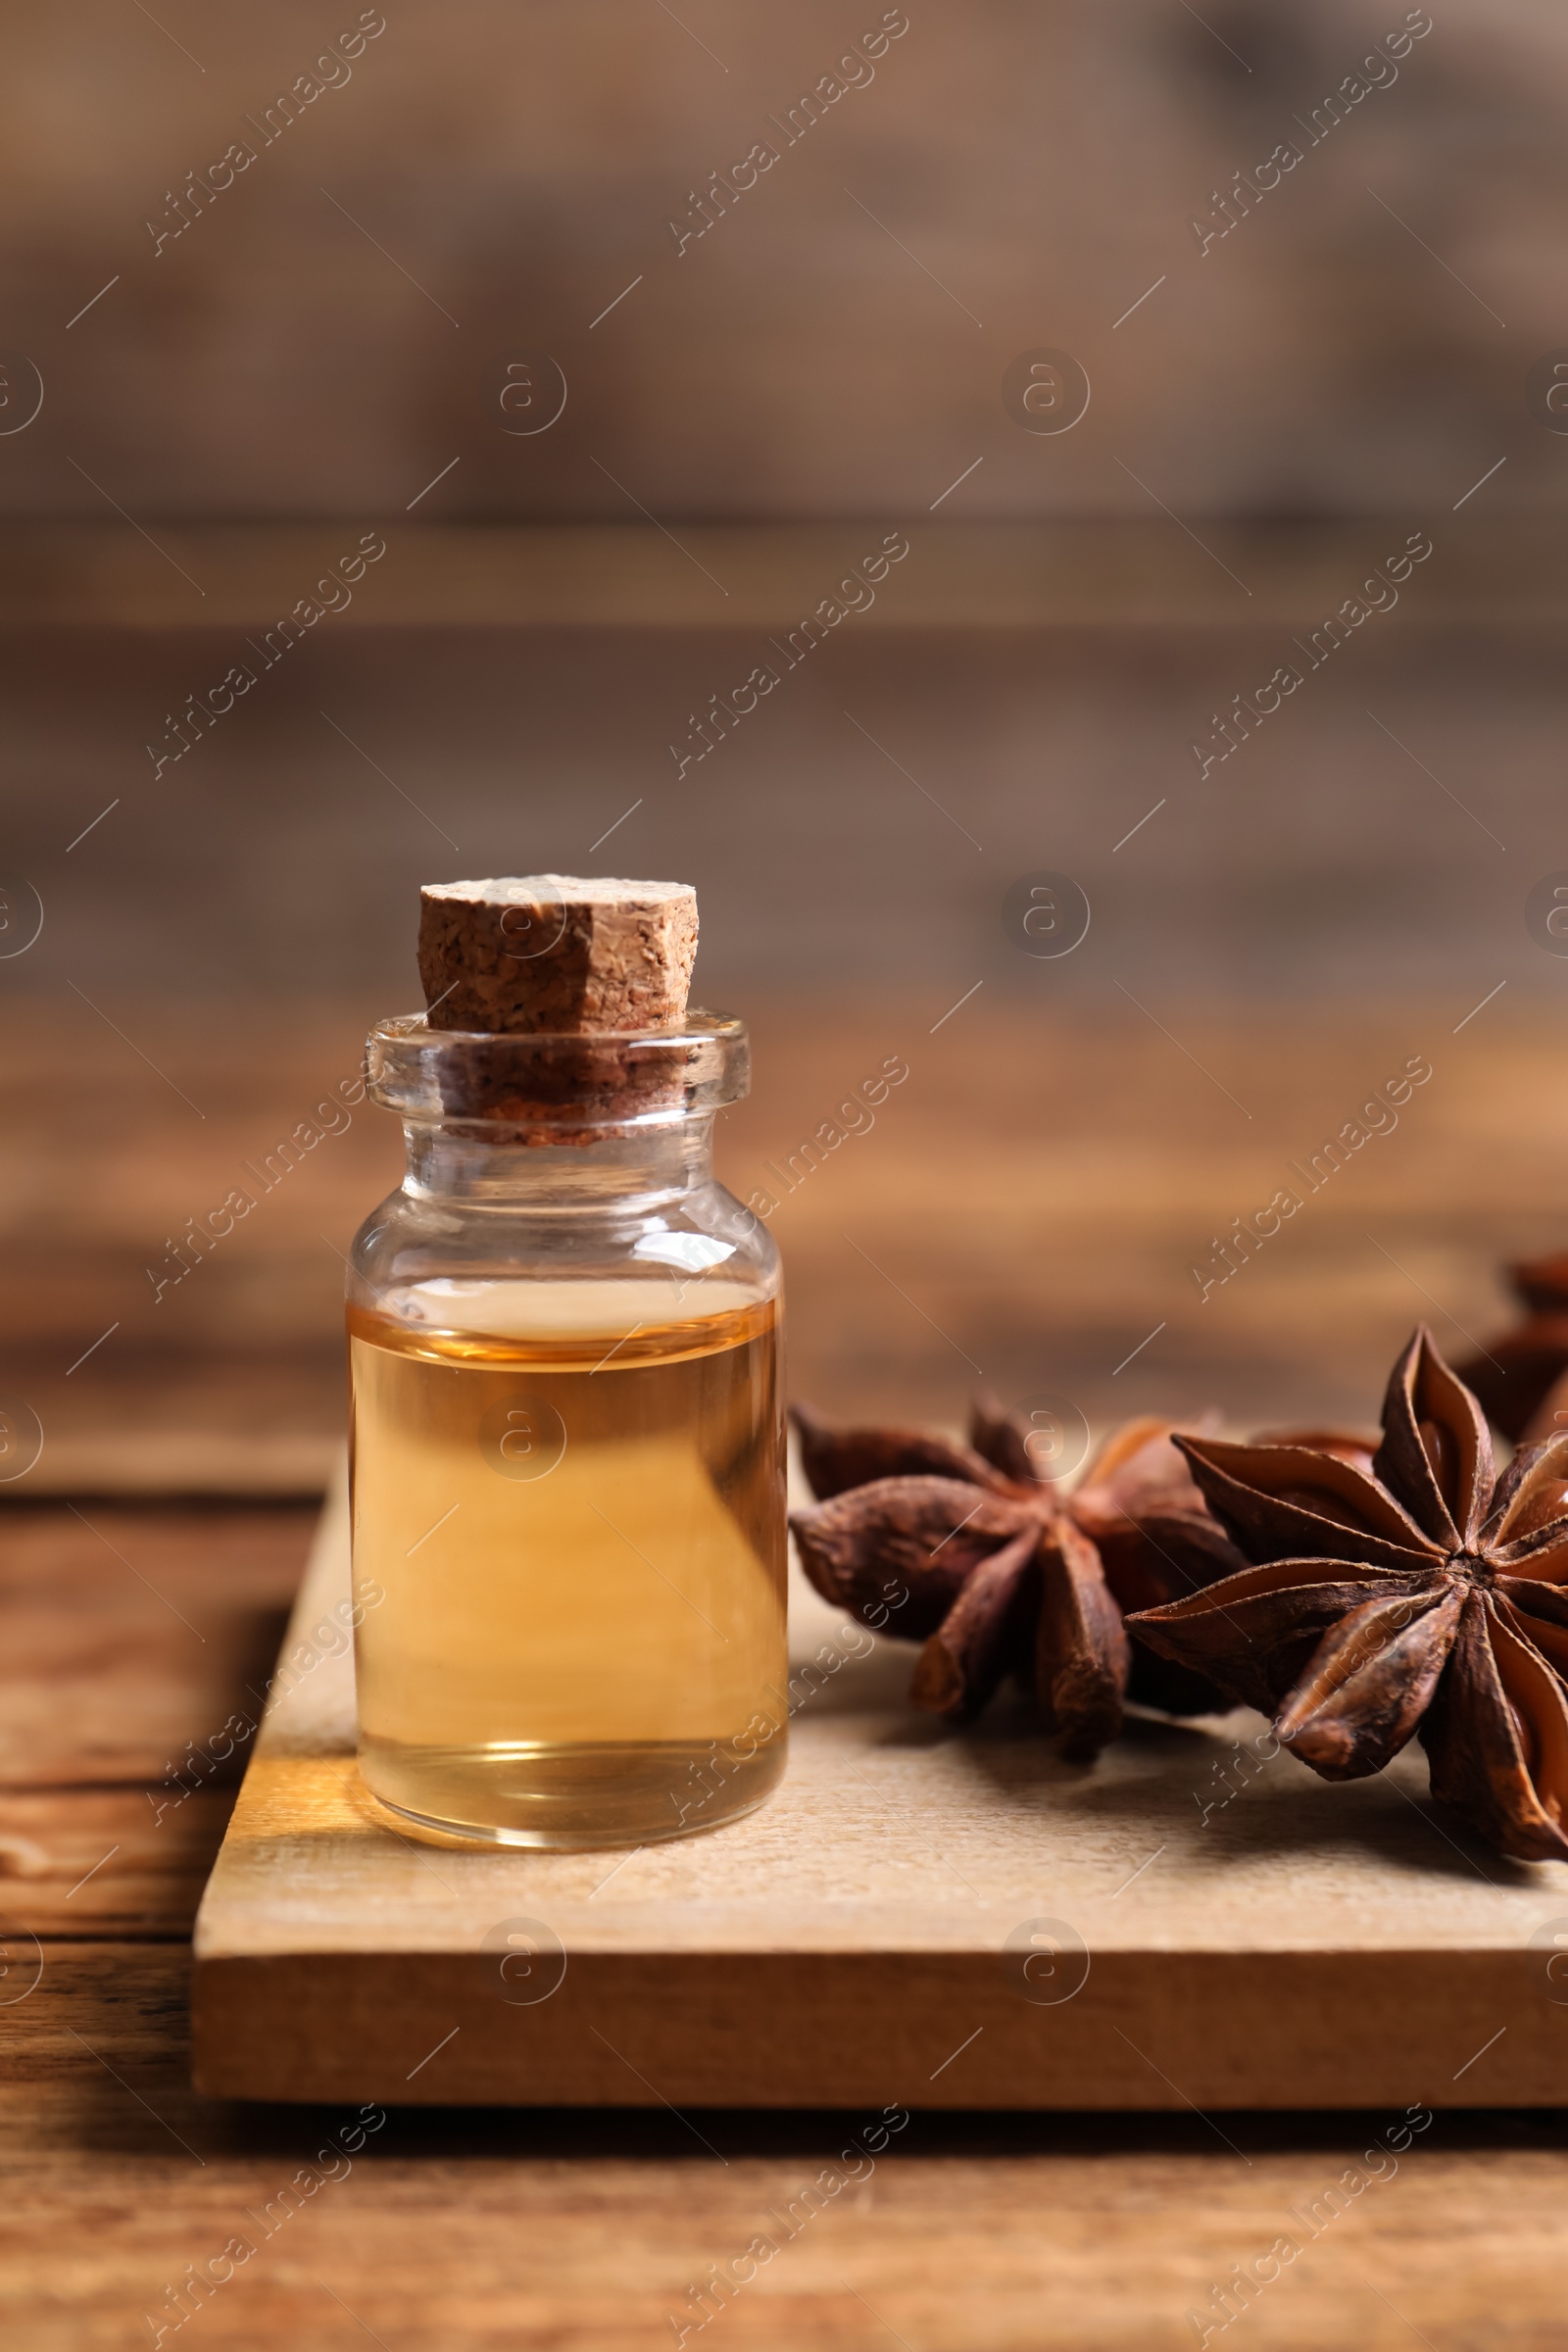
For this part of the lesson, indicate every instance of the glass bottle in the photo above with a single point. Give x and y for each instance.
(567, 1443)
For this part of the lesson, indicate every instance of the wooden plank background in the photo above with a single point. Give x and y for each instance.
(332, 330)
(1496, 573)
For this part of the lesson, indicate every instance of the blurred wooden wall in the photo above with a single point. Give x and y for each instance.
(200, 419)
(481, 181)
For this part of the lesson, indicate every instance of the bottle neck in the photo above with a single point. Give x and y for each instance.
(602, 1170)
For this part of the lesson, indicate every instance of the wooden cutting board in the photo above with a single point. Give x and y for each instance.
(918, 1918)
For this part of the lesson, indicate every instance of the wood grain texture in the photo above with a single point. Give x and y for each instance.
(120, 1633)
(561, 2231)
(918, 1916)
(1496, 573)
(131, 1635)
(267, 359)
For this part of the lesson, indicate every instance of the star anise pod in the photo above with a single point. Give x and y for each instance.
(1425, 1595)
(998, 1571)
(1514, 1377)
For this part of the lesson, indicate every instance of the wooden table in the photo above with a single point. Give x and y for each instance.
(135, 1630)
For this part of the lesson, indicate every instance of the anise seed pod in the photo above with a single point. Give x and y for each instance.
(999, 1572)
(898, 1551)
(967, 1656)
(836, 1458)
(1422, 1595)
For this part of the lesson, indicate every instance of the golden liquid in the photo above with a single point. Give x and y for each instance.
(579, 1535)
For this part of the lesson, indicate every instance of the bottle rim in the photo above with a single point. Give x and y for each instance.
(542, 1078)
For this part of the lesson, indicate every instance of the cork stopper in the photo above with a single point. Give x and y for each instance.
(531, 954)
